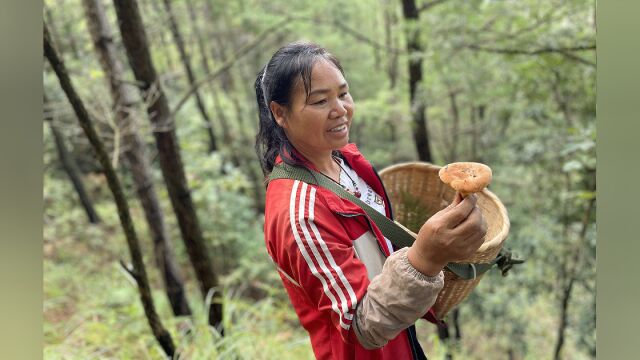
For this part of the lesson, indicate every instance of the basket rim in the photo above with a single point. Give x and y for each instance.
(492, 243)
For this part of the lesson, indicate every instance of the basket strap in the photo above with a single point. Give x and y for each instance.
(392, 231)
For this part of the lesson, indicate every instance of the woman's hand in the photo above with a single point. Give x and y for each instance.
(453, 233)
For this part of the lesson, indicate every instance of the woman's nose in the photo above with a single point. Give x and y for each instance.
(339, 109)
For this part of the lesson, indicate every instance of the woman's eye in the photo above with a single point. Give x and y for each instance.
(320, 102)
(344, 94)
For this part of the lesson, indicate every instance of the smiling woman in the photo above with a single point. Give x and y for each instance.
(318, 123)
(356, 295)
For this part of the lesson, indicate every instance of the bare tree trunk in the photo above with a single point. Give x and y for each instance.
(566, 279)
(124, 102)
(377, 52)
(569, 275)
(443, 334)
(474, 134)
(455, 127)
(138, 272)
(219, 52)
(186, 62)
(566, 297)
(228, 139)
(53, 26)
(135, 42)
(67, 30)
(226, 134)
(456, 323)
(393, 133)
(416, 90)
(561, 99)
(390, 20)
(477, 142)
(71, 168)
(155, 5)
(228, 81)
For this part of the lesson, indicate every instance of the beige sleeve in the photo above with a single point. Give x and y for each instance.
(395, 299)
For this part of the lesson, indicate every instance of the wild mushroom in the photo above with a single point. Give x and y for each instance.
(466, 177)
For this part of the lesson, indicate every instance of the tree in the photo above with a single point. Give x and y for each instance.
(124, 104)
(135, 42)
(138, 272)
(204, 60)
(186, 62)
(416, 90)
(390, 20)
(71, 168)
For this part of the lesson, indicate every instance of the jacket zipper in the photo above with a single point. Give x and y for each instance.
(412, 339)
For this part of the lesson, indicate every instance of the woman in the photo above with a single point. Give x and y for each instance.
(356, 295)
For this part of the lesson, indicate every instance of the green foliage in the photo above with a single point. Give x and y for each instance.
(530, 116)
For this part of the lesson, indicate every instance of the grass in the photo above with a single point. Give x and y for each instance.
(91, 308)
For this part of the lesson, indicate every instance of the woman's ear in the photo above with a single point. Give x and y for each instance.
(279, 113)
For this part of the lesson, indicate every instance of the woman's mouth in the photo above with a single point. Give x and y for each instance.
(338, 128)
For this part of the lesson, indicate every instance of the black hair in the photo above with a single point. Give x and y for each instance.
(276, 82)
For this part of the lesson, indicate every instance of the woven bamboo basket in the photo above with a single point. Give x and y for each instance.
(416, 193)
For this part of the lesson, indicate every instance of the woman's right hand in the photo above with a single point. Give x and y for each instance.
(453, 233)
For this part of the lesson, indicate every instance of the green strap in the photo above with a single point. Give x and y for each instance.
(392, 231)
(400, 237)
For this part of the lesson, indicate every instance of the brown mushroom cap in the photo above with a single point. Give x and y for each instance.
(466, 177)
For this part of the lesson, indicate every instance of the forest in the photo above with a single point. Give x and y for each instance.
(154, 196)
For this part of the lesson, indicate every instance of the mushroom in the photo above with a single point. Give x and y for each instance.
(466, 177)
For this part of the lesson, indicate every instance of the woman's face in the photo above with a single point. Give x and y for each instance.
(321, 122)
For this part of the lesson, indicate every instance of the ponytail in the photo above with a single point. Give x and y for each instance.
(271, 140)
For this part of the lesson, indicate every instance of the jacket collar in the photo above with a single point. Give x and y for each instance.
(354, 158)
(364, 169)
(349, 152)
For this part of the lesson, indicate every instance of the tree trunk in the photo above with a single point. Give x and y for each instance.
(227, 139)
(569, 272)
(155, 5)
(53, 27)
(217, 51)
(561, 99)
(71, 168)
(135, 42)
(474, 134)
(416, 90)
(443, 335)
(67, 31)
(124, 101)
(478, 126)
(254, 173)
(377, 52)
(186, 62)
(227, 79)
(456, 323)
(504, 119)
(390, 20)
(566, 296)
(455, 127)
(138, 272)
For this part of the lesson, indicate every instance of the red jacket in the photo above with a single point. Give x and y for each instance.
(309, 233)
